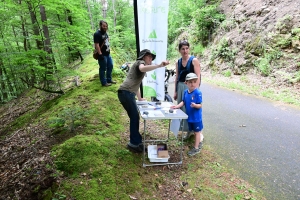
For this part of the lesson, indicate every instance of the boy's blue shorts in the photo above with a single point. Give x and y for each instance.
(196, 127)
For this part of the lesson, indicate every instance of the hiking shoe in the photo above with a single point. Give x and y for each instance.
(113, 82)
(188, 135)
(201, 145)
(136, 148)
(142, 147)
(107, 84)
(194, 151)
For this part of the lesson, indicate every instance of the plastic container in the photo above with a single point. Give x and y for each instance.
(152, 154)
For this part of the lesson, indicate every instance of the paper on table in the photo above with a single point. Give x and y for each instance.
(155, 113)
(146, 107)
(141, 102)
(174, 127)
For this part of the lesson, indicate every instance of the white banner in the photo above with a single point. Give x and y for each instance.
(153, 35)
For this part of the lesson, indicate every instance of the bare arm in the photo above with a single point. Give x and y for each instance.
(178, 105)
(194, 105)
(147, 68)
(176, 75)
(97, 46)
(197, 69)
(138, 94)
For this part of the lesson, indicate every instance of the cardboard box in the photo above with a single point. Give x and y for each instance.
(153, 154)
(163, 154)
(162, 151)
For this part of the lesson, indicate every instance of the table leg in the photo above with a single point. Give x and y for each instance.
(181, 154)
(167, 163)
(144, 142)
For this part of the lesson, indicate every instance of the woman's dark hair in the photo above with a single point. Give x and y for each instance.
(102, 21)
(183, 43)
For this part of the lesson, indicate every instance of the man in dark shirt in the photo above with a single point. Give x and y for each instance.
(105, 61)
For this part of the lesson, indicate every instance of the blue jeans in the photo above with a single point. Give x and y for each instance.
(106, 66)
(128, 101)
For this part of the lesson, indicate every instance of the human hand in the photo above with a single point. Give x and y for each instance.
(193, 105)
(101, 57)
(173, 107)
(164, 63)
(142, 99)
(175, 96)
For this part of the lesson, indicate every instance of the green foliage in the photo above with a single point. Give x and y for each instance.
(76, 155)
(70, 116)
(73, 116)
(227, 73)
(295, 31)
(256, 47)
(35, 49)
(99, 157)
(198, 31)
(283, 41)
(122, 35)
(296, 77)
(207, 19)
(59, 196)
(228, 25)
(224, 51)
(263, 64)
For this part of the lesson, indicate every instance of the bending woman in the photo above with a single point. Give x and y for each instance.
(130, 88)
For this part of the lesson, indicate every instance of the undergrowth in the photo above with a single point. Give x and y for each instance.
(95, 164)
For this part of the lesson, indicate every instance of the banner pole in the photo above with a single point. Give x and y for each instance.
(137, 38)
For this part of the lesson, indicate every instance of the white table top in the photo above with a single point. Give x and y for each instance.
(159, 111)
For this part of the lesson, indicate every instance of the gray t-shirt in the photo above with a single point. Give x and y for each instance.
(134, 78)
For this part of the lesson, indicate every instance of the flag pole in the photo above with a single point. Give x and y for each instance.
(137, 38)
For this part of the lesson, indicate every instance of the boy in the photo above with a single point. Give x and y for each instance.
(192, 100)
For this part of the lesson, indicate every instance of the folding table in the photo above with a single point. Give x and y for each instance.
(161, 110)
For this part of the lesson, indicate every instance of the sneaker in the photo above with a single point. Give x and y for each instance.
(142, 147)
(136, 148)
(194, 151)
(107, 84)
(113, 82)
(201, 144)
(188, 135)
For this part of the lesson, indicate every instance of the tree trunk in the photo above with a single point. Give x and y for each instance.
(115, 19)
(50, 66)
(104, 8)
(90, 13)
(36, 30)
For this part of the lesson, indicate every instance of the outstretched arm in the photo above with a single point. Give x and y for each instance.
(178, 105)
(147, 68)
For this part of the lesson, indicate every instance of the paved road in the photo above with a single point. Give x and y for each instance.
(258, 138)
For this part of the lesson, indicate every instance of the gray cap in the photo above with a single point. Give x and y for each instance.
(144, 52)
(191, 76)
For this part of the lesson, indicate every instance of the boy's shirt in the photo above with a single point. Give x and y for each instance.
(194, 114)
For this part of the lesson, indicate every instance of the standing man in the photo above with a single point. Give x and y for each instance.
(105, 61)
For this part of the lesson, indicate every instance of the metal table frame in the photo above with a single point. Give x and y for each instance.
(166, 115)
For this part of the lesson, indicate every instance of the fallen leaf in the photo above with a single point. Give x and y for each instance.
(131, 197)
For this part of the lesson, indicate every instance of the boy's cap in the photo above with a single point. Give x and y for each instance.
(191, 76)
(144, 52)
